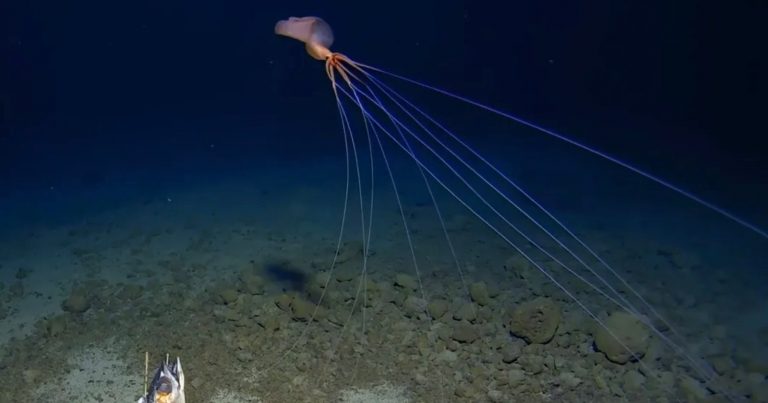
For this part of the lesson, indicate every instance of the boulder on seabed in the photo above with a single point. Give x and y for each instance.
(536, 321)
(624, 337)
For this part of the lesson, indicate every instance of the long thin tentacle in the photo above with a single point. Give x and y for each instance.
(550, 215)
(504, 237)
(626, 304)
(680, 350)
(720, 210)
(371, 134)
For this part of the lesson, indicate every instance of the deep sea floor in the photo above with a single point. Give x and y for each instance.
(225, 272)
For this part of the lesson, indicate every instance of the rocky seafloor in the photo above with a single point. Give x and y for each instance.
(282, 327)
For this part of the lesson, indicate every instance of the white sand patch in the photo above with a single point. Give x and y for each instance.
(385, 393)
(97, 375)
